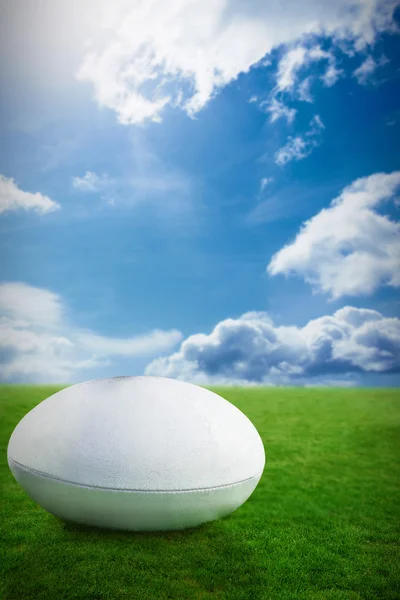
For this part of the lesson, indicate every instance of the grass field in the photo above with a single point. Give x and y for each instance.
(323, 523)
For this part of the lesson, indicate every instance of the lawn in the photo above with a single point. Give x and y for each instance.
(323, 523)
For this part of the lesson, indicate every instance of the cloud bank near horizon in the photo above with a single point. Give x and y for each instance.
(252, 350)
(39, 343)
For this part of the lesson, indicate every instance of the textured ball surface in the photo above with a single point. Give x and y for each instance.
(137, 453)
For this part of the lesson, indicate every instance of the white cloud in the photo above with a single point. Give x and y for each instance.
(102, 184)
(39, 343)
(288, 66)
(12, 198)
(149, 343)
(150, 181)
(140, 57)
(278, 110)
(265, 181)
(296, 148)
(251, 349)
(294, 60)
(303, 90)
(90, 182)
(331, 75)
(153, 54)
(348, 248)
(34, 306)
(299, 147)
(316, 125)
(291, 63)
(367, 68)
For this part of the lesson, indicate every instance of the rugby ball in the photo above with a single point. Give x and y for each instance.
(137, 453)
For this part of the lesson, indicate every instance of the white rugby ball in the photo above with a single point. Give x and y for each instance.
(137, 453)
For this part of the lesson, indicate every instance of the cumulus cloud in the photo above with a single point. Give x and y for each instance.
(12, 198)
(140, 57)
(251, 349)
(154, 54)
(299, 147)
(39, 343)
(348, 248)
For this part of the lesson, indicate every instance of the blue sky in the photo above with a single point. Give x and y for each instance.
(167, 185)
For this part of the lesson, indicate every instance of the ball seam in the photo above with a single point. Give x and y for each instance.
(97, 487)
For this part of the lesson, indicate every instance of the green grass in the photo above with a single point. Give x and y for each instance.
(323, 523)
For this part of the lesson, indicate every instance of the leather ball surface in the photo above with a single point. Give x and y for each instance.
(137, 453)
